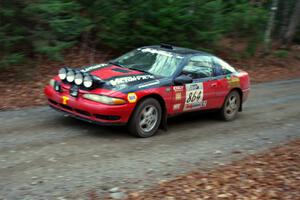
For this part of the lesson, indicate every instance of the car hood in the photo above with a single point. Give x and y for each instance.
(122, 79)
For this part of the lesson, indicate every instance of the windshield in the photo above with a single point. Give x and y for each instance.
(153, 61)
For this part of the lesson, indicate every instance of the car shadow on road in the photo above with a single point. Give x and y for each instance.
(184, 121)
(94, 130)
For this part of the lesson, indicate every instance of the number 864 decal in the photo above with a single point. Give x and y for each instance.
(194, 96)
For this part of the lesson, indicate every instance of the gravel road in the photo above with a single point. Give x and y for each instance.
(44, 155)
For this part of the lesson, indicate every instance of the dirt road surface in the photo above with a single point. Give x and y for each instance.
(44, 155)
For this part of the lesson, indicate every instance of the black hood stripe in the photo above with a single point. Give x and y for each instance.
(120, 70)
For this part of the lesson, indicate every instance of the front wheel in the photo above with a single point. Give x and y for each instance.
(146, 118)
(231, 106)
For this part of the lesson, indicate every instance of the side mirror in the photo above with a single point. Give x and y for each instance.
(182, 79)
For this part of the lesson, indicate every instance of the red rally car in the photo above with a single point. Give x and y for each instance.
(144, 87)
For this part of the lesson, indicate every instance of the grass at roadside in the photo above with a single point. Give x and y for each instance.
(274, 174)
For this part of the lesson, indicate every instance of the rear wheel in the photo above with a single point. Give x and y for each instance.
(146, 118)
(231, 106)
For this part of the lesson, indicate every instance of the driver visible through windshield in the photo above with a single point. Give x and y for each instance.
(149, 60)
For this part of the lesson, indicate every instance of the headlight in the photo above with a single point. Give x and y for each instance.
(62, 73)
(104, 99)
(70, 76)
(52, 82)
(88, 81)
(78, 78)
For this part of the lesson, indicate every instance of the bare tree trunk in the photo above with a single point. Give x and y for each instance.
(92, 53)
(84, 44)
(270, 26)
(285, 18)
(292, 28)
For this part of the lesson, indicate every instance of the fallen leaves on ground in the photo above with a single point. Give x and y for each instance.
(271, 175)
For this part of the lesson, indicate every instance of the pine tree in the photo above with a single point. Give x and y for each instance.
(12, 32)
(55, 25)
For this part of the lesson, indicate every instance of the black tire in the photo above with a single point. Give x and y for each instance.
(139, 116)
(230, 110)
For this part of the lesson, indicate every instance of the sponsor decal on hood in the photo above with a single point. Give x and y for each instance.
(93, 67)
(128, 79)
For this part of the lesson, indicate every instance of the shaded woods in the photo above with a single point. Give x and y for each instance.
(33, 28)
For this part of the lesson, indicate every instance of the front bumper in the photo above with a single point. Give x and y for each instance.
(87, 110)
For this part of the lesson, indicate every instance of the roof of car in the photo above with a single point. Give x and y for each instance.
(178, 50)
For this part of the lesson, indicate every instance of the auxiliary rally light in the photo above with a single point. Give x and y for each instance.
(88, 81)
(62, 73)
(77, 77)
(70, 76)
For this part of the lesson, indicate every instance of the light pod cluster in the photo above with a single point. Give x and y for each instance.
(80, 78)
(76, 76)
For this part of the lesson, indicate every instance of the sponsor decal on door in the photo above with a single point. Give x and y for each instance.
(178, 96)
(178, 88)
(176, 106)
(233, 82)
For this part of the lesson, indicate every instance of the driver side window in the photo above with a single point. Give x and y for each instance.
(199, 67)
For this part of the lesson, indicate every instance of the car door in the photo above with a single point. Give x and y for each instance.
(200, 94)
(223, 74)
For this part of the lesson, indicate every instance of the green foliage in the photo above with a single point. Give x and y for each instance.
(281, 53)
(196, 24)
(39, 27)
(48, 27)
(246, 21)
(242, 19)
(11, 59)
(56, 25)
(130, 24)
(11, 33)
